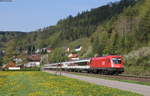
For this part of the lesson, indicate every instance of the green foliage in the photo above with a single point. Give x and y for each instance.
(85, 23)
(98, 43)
(72, 28)
(31, 69)
(123, 33)
(144, 28)
(10, 48)
(25, 69)
(137, 62)
(8, 35)
(1, 61)
(86, 50)
(58, 55)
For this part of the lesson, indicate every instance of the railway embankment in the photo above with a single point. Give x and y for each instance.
(144, 80)
(141, 89)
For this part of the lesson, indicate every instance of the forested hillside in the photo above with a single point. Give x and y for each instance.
(125, 32)
(73, 28)
(117, 28)
(128, 34)
(5, 36)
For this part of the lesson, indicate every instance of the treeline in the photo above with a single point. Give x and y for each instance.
(6, 36)
(103, 22)
(73, 28)
(110, 28)
(85, 23)
(125, 32)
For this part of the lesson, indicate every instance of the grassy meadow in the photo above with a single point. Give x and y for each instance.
(45, 84)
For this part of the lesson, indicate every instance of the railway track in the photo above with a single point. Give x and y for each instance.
(125, 75)
(132, 77)
(121, 76)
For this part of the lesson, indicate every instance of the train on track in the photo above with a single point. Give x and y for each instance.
(101, 65)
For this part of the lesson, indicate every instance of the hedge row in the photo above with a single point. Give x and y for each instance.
(26, 69)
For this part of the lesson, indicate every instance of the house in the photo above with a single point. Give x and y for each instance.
(78, 48)
(17, 60)
(33, 61)
(73, 56)
(68, 49)
(11, 66)
(37, 51)
(32, 64)
(49, 50)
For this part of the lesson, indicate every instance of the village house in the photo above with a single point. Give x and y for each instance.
(49, 50)
(73, 56)
(78, 48)
(38, 51)
(11, 66)
(17, 60)
(33, 61)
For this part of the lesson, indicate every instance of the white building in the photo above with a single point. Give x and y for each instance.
(33, 61)
(32, 64)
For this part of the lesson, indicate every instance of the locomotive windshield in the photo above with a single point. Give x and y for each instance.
(116, 60)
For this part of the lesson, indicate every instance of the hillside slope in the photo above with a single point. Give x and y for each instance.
(5, 36)
(116, 28)
(124, 34)
(73, 28)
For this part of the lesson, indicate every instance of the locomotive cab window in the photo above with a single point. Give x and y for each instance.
(116, 60)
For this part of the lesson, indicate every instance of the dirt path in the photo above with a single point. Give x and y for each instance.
(141, 89)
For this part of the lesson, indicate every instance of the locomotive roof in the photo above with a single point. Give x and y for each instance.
(110, 56)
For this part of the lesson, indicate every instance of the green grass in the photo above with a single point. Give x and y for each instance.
(117, 79)
(44, 84)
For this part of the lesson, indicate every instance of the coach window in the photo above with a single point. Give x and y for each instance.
(82, 63)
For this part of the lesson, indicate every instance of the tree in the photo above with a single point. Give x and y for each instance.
(144, 28)
(99, 42)
(1, 61)
(10, 48)
(58, 55)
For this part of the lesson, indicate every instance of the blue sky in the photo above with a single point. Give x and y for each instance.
(30, 15)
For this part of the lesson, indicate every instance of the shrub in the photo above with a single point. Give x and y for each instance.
(26, 69)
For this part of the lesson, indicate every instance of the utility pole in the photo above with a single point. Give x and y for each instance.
(59, 69)
(44, 60)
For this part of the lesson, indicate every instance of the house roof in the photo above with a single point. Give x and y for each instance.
(10, 64)
(73, 56)
(49, 48)
(34, 58)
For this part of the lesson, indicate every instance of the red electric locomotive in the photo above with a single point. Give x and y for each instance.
(107, 64)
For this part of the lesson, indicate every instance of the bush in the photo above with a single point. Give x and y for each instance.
(31, 69)
(138, 62)
(26, 69)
